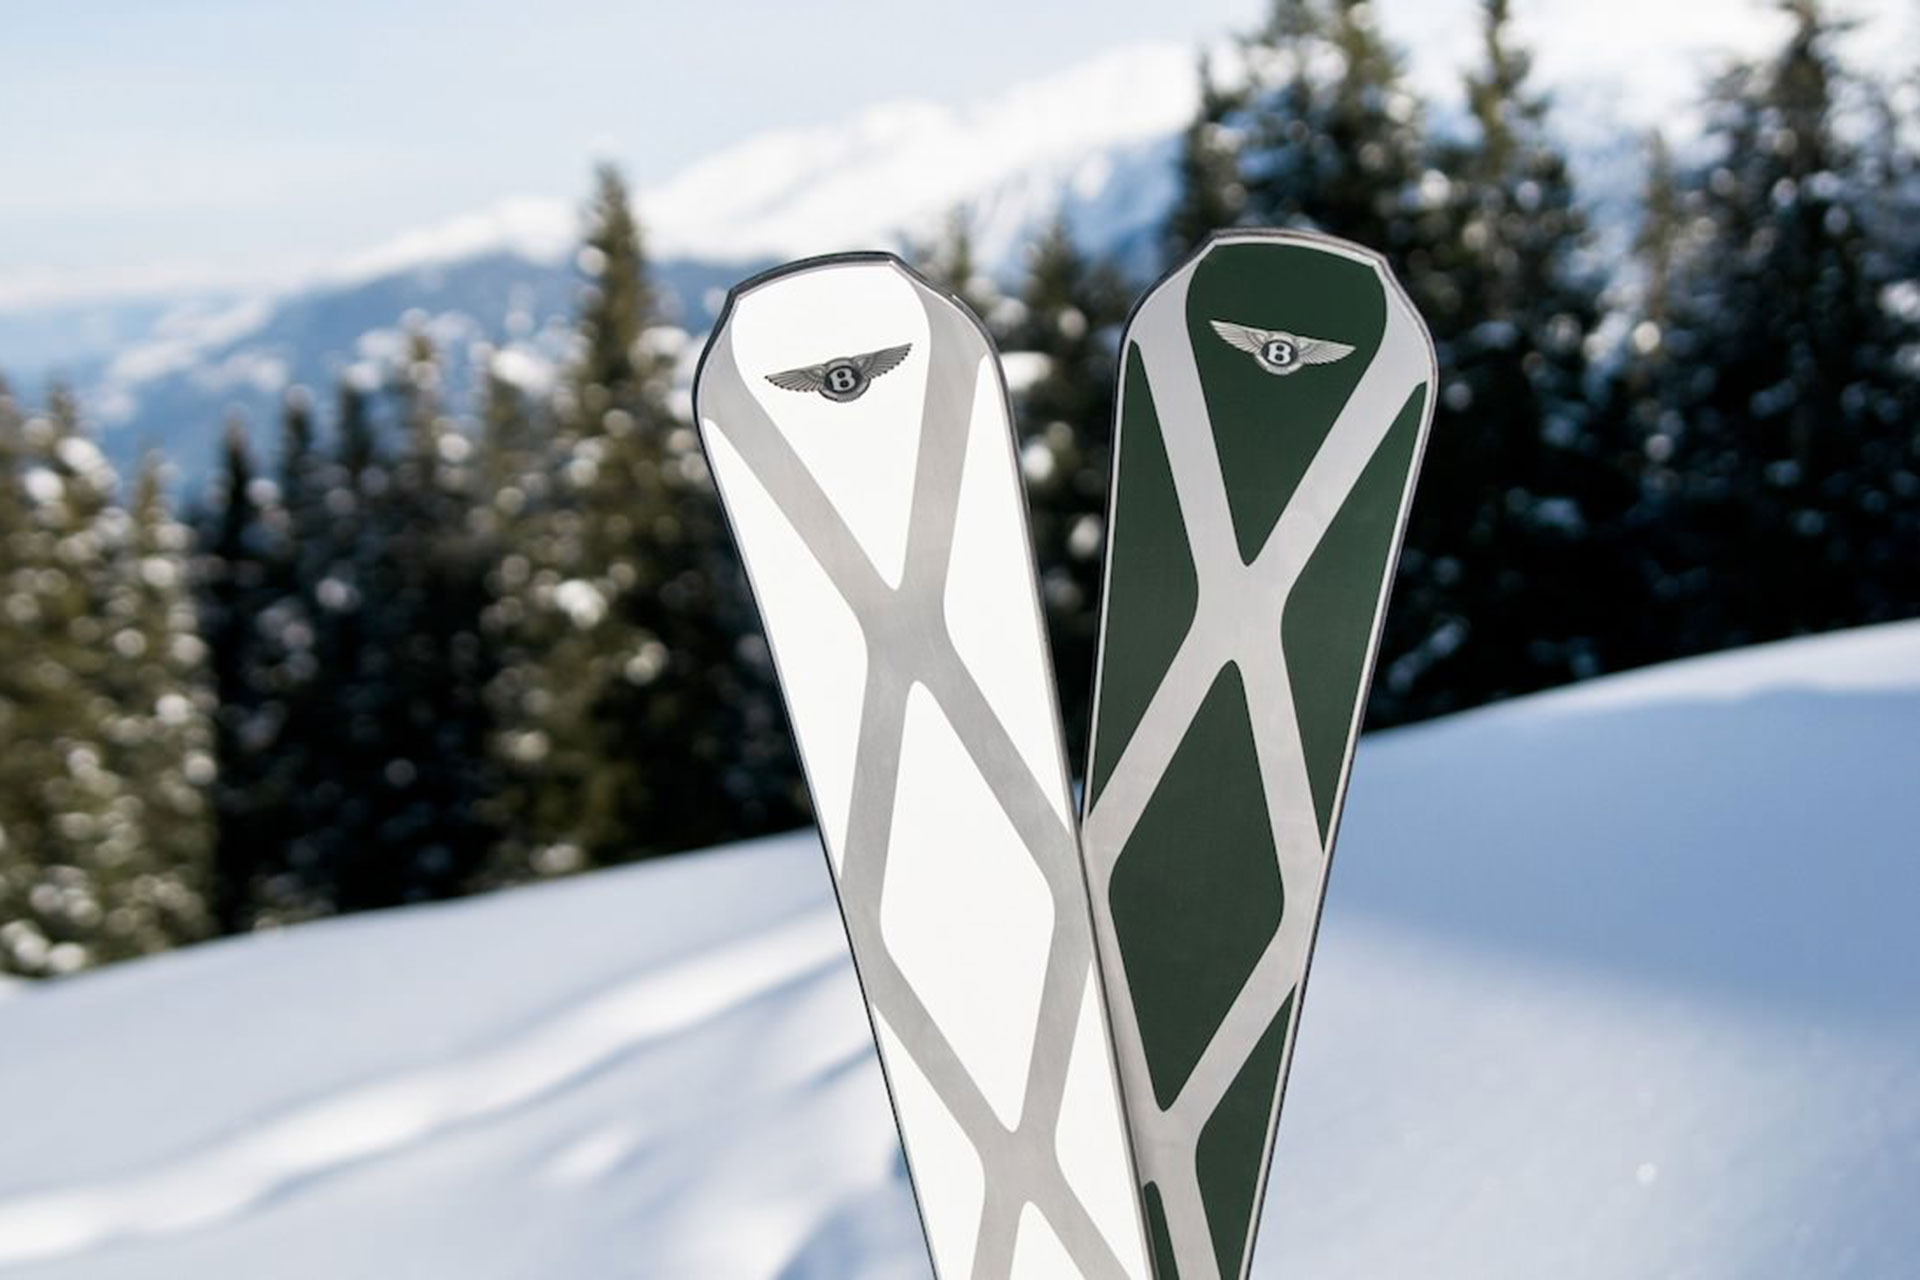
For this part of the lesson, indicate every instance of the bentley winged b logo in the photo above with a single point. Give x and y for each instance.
(842, 378)
(1278, 352)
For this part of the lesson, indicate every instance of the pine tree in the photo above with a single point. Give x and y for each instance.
(951, 262)
(305, 690)
(103, 853)
(412, 673)
(37, 708)
(16, 613)
(335, 744)
(342, 610)
(620, 722)
(161, 736)
(87, 828)
(238, 576)
(1323, 133)
(1497, 591)
(1070, 316)
(1641, 427)
(511, 471)
(1795, 454)
(1341, 154)
(1209, 194)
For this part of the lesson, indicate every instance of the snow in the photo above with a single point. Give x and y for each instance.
(182, 337)
(1024, 370)
(1615, 981)
(539, 229)
(524, 368)
(1869, 660)
(263, 372)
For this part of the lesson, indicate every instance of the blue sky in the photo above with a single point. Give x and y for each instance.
(156, 144)
(232, 138)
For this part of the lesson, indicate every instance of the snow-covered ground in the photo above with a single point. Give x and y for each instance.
(1618, 982)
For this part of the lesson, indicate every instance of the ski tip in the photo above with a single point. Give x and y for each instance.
(821, 263)
(804, 266)
(1235, 238)
(1289, 236)
(800, 266)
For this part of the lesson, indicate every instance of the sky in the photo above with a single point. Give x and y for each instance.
(144, 145)
(148, 149)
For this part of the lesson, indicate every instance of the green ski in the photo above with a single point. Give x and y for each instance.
(1276, 391)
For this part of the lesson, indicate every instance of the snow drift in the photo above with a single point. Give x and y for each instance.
(1612, 982)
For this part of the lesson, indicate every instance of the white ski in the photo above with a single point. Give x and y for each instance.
(857, 426)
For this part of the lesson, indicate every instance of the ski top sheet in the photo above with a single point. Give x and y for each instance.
(856, 423)
(1276, 391)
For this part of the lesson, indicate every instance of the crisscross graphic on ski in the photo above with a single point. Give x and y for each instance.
(856, 422)
(1276, 391)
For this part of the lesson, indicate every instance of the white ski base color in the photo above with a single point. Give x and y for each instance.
(950, 1169)
(825, 710)
(1612, 983)
(989, 534)
(960, 884)
(861, 454)
(955, 862)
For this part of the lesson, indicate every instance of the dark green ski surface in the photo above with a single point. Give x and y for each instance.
(1275, 395)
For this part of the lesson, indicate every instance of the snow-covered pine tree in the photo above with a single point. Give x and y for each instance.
(617, 710)
(1639, 426)
(1315, 128)
(1501, 587)
(1209, 195)
(44, 717)
(1783, 344)
(950, 260)
(103, 853)
(1331, 132)
(19, 585)
(306, 691)
(1658, 244)
(240, 574)
(410, 823)
(516, 447)
(1063, 339)
(512, 479)
(160, 738)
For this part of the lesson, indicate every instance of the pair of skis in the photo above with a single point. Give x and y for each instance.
(1084, 1018)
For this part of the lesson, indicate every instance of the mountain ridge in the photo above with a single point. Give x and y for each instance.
(1094, 141)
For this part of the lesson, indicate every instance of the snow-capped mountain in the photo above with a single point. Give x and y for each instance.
(1094, 140)
(211, 361)
(1612, 982)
